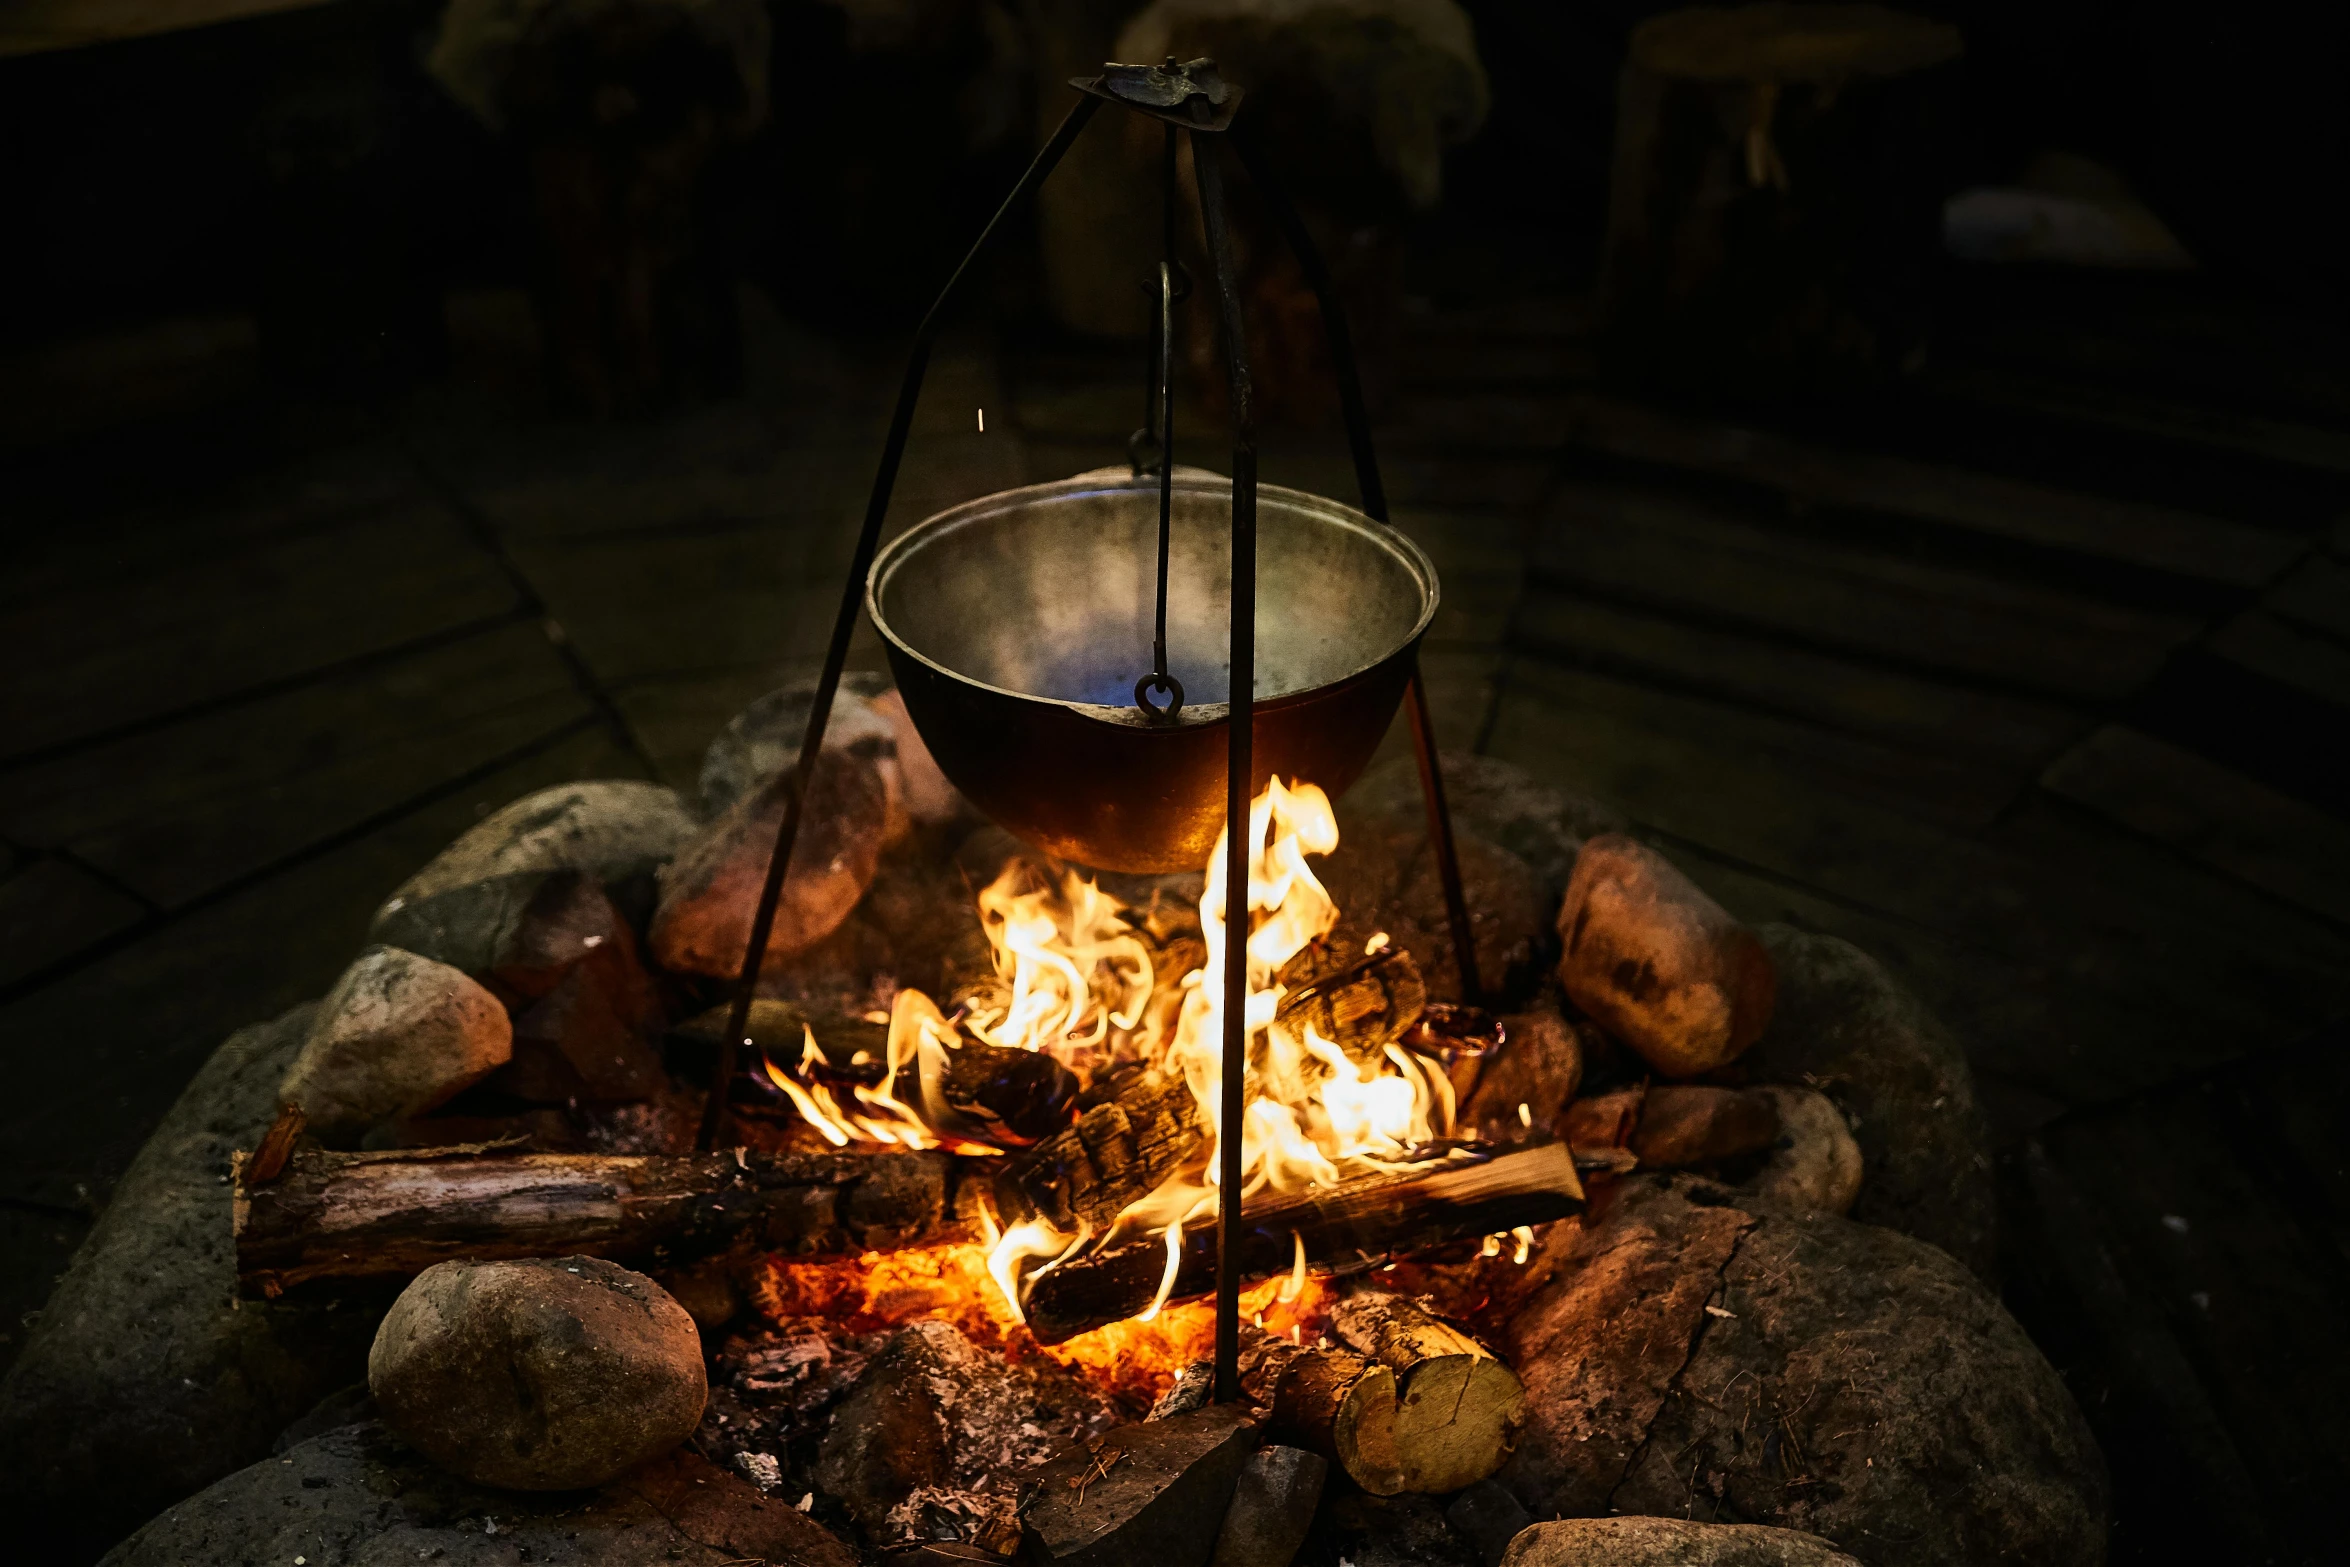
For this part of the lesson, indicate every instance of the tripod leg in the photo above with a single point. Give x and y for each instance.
(1239, 770)
(1358, 437)
(844, 622)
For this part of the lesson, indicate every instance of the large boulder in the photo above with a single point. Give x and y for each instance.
(1667, 1542)
(1384, 877)
(1845, 1026)
(1500, 802)
(145, 1378)
(460, 907)
(1682, 1357)
(549, 1374)
(359, 1495)
(397, 1035)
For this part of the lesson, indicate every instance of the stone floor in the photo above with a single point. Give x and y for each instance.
(2031, 680)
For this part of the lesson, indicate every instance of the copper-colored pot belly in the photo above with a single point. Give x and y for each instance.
(1018, 623)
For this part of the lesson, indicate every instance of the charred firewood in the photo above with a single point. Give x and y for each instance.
(384, 1216)
(1358, 1006)
(1115, 1152)
(1009, 1098)
(1465, 1194)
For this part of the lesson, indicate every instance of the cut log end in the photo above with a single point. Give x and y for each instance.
(1343, 1406)
(1457, 1407)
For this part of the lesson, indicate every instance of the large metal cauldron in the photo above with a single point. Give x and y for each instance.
(1017, 625)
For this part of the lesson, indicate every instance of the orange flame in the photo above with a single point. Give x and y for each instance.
(1073, 978)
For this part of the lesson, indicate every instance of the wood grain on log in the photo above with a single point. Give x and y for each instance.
(1358, 1006)
(1457, 1407)
(1466, 1195)
(1342, 1405)
(1115, 1152)
(385, 1216)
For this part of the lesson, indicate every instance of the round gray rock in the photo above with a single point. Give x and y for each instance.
(1667, 1542)
(544, 1375)
(397, 1035)
(615, 827)
(764, 738)
(710, 892)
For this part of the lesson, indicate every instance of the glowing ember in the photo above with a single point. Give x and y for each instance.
(955, 1284)
(1073, 978)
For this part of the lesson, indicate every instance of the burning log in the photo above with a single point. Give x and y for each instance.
(1116, 1151)
(1413, 1404)
(388, 1216)
(1459, 1197)
(1359, 1006)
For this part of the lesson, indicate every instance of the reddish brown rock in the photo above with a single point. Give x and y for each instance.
(542, 1375)
(567, 921)
(1527, 1084)
(1688, 1123)
(588, 1040)
(929, 797)
(711, 890)
(1657, 963)
(585, 1008)
(1607, 1120)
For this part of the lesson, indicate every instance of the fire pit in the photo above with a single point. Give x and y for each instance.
(1116, 1189)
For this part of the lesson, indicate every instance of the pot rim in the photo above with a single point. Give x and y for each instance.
(1189, 480)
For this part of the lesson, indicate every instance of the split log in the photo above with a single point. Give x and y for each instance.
(1458, 1408)
(1342, 1405)
(1410, 1404)
(1358, 1006)
(1466, 1194)
(352, 1218)
(1117, 1150)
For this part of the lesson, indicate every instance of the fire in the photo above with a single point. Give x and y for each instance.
(1074, 978)
(1134, 1359)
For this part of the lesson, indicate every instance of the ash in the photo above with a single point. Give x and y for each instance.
(775, 1392)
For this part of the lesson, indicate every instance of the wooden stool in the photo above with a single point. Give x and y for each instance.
(1776, 198)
